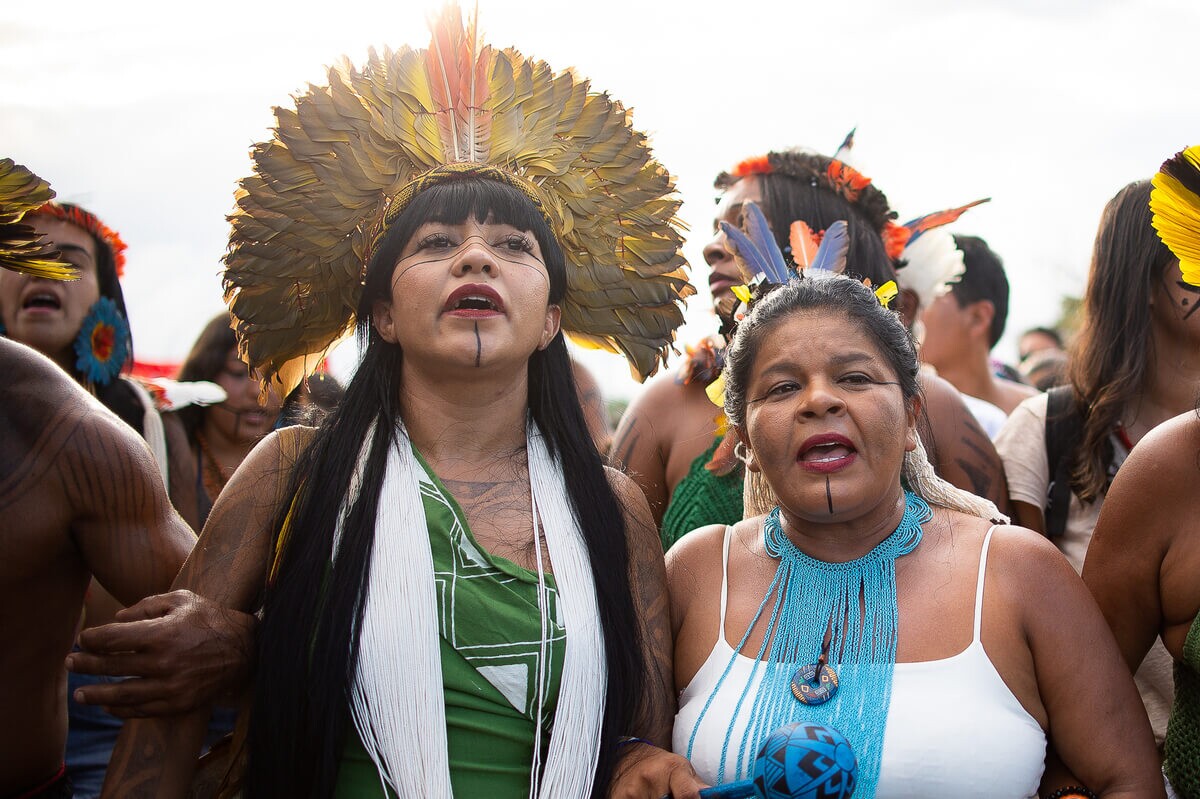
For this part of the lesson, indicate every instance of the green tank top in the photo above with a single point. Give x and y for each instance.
(702, 498)
(1182, 747)
(490, 630)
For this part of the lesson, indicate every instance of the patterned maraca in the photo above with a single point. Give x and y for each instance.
(798, 761)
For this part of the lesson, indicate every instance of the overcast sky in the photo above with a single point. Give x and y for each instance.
(145, 113)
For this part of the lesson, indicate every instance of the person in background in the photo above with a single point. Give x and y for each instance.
(1152, 510)
(220, 436)
(961, 328)
(79, 492)
(1039, 339)
(672, 438)
(1135, 363)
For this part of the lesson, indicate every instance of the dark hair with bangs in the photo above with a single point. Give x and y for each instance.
(833, 293)
(312, 614)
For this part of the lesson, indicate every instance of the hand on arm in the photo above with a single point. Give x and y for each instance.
(156, 757)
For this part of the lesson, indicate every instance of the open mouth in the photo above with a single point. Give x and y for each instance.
(826, 453)
(42, 301)
(473, 300)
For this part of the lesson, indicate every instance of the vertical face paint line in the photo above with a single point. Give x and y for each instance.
(478, 345)
(828, 495)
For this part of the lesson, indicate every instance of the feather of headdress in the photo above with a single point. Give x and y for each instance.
(1175, 203)
(804, 244)
(171, 395)
(843, 151)
(22, 249)
(760, 232)
(309, 216)
(835, 244)
(938, 218)
(932, 263)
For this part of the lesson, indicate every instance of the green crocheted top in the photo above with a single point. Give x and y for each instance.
(702, 498)
(1182, 748)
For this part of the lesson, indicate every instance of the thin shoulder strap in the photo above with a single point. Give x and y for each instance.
(724, 581)
(987, 539)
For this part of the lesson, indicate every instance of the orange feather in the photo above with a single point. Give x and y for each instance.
(804, 244)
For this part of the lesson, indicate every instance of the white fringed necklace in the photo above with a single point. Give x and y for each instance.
(397, 700)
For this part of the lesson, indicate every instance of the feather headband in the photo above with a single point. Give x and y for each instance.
(23, 249)
(92, 224)
(831, 174)
(346, 160)
(1175, 203)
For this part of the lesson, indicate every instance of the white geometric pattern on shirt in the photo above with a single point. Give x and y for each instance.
(510, 666)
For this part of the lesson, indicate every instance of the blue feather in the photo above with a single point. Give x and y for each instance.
(746, 251)
(760, 233)
(831, 256)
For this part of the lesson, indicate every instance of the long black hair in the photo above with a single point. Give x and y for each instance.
(312, 613)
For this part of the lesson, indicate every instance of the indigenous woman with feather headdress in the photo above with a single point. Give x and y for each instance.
(459, 598)
(874, 598)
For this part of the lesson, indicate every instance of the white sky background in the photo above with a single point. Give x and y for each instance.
(145, 113)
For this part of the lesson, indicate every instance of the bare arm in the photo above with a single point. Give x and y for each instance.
(1150, 510)
(1094, 720)
(638, 450)
(961, 452)
(650, 771)
(156, 757)
(131, 538)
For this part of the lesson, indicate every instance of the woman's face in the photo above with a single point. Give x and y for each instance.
(47, 314)
(240, 418)
(723, 270)
(1173, 305)
(469, 295)
(826, 421)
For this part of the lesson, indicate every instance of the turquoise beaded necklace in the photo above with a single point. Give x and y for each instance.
(843, 613)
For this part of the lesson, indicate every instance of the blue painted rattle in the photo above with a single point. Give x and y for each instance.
(802, 760)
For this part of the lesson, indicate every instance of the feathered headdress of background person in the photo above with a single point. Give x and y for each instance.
(346, 160)
(1175, 203)
(22, 249)
(930, 261)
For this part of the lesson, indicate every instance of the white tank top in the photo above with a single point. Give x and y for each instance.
(953, 728)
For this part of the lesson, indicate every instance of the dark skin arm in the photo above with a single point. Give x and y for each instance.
(156, 757)
(961, 453)
(1094, 720)
(638, 447)
(1151, 510)
(650, 772)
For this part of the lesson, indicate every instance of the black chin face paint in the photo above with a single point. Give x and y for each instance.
(478, 345)
(828, 495)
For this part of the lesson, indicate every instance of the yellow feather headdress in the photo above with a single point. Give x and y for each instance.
(1175, 203)
(346, 160)
(22, 248)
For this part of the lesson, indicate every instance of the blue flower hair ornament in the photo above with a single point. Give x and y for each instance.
(102, 346)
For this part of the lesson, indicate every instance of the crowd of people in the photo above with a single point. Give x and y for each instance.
(454, 577)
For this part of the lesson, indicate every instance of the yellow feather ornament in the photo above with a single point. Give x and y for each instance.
(1175, 203)
(347, 159)
(22, 249)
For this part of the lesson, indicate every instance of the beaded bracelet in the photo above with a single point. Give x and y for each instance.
(1073, 792)
(629, 739)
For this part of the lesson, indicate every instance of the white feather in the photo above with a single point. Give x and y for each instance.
(171, 395)
(933, 265)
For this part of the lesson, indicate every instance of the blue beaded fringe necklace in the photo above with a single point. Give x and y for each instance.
(845, 612)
